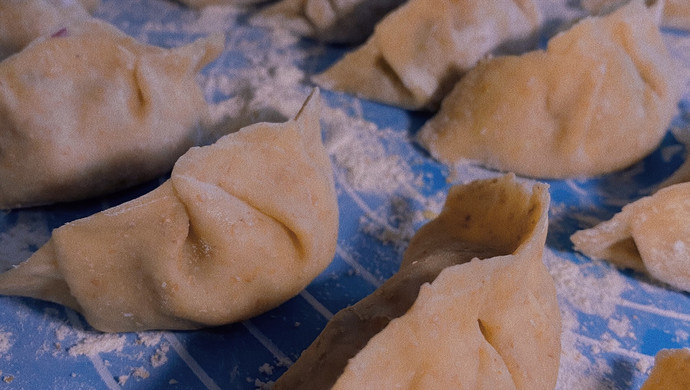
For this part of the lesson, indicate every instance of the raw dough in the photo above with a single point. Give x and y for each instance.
(418, 51)
(93, 110)
(649, 235)
(676, 13)
(598, 99)
(671, 371)
(446, 319)
(242, 225)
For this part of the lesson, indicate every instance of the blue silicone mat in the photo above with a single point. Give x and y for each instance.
(614, 321)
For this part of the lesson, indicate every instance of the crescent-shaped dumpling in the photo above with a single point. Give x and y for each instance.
(472, 306)
(420, 50)
(22, 21)
(339, 21)
(92, 110)
(649, 235)
(241, 226)
(598, 99)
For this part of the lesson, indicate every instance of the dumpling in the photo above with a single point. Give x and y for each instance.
(676, 13)
(598, 99)
(241, 226)
(340, 21)
(205, 3)
(671, 371)
(92, 110)
(22, 21)
(418, 51)
(649, 235)
(472, 306)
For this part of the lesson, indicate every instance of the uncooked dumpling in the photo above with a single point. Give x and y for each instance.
(22, 21)
(206, 3)
(650, 235)
(339, 21)
(241, 226)
(598, 99)
(418, 51)
(92, 110)
(676, 13)
(472, 305)
(671, 371)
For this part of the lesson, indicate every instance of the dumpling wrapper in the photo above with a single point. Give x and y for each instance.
(339, 21)
(241, 226)
(598, 99)
(649, 235)
(447, 318)
(676, 13)
(671, 371)
(420, 50)
(22, 21)
(93, 110)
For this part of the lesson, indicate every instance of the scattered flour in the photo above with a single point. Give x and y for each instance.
(91, 344)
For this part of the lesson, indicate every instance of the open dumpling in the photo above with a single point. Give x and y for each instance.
(340, 21)
(649, 235)
(676, 13)
(418, 51)
(598, 99)
(92, 110)
(241, 226)
(472, 306)
(22, 21)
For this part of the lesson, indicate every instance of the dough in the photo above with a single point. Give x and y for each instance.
(676, 13)
(93, 110)
(206, 3)
(241, 226)
(598, 99)
(339, 21)
(22, 21)
(649, 235)
(671, 371)
(446, 319)
(418, 51)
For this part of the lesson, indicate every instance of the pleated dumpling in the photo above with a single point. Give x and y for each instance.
(241, 226)
(676, 13)
(92, 110)
(339, 21)
(598, 99)
(649, 235)
(472, 306)
(22, 21)
(418, 51)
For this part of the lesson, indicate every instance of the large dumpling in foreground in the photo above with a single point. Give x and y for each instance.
(598, 99)
(676, 13)
(341, 21)
(241, 226)
(472, 306)
(22, 21)
(420, 50)
(92, 110)
(649, 235)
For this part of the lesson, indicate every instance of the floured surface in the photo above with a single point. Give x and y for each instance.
(614, 322)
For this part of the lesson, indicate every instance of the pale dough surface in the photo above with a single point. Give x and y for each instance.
(649, 235)
(409, 64)
(671, 371)
(472, 305)
(93, 110)
(242, 225)
(598, 99)
(676, 13)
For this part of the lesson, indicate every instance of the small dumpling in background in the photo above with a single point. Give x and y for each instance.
(671, 371)
(598, 99)
(420, 50)
(472, 306)
(22, 21)
(650, 235)
(675, 13)
(340, 21)
(241, 226)
(92, 111)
